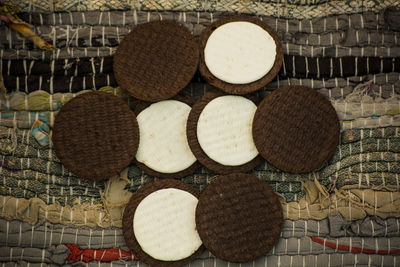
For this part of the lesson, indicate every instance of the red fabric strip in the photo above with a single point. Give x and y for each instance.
(105, 255)
(353, 249)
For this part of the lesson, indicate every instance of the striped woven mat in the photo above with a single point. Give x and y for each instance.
(345, 214)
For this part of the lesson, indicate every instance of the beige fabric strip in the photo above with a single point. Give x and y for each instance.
(352, 202)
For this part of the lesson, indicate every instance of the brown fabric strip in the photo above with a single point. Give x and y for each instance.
(294, 66)
(59, 84)
(110, 36)
(59, 67)
(77, 74)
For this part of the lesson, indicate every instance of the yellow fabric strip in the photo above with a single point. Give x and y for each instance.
(351, 202)
(43, 101)
(108, 214)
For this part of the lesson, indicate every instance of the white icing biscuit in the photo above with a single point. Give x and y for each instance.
(224, 130)
(163, 145)
(164, 224)
(240, 52)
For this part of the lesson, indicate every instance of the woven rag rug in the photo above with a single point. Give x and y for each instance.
(345, 214)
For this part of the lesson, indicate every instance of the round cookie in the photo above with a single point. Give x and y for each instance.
(296, 129)
(159, 223)
(156, 60)
(224, 130)
(239, 217)
(239, 54)
(163, 148)
(219, 133)
(95, 135)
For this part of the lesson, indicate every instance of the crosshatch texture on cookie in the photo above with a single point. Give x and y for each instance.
(296, 129)
(81, 128)
(156, 60)
(239, 217)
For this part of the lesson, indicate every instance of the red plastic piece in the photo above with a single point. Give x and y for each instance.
(105, 255)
